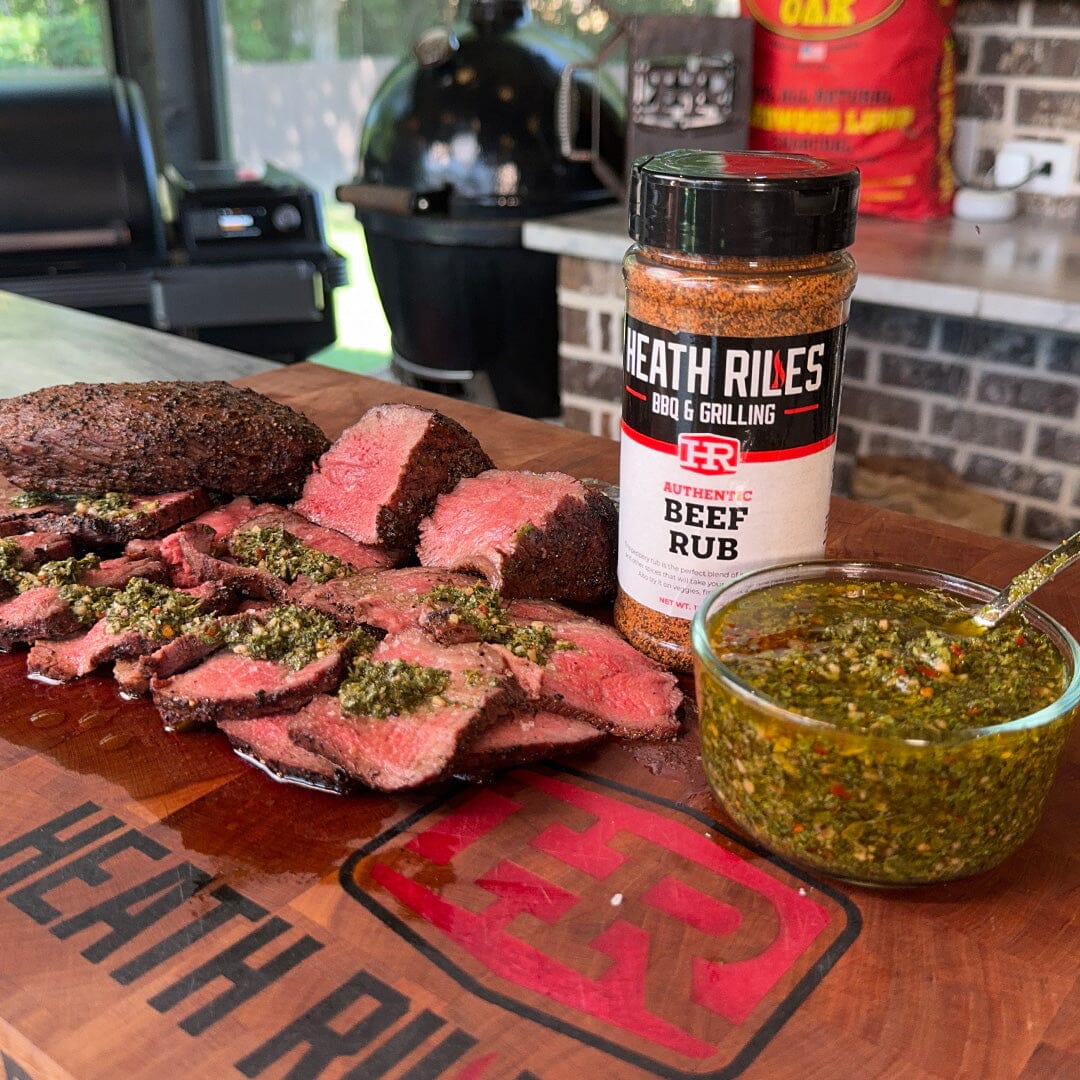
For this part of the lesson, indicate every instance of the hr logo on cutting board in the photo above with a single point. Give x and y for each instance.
(632, 925)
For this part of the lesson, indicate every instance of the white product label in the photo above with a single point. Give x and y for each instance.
(726, 458)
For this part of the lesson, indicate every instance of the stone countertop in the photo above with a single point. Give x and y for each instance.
(44, 344)
(1025, 271)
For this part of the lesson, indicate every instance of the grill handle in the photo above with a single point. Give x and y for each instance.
(387, 199)
(566, 112)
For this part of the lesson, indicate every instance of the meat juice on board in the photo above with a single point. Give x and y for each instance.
(737, 291)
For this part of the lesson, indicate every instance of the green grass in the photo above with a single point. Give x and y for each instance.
(363, 341)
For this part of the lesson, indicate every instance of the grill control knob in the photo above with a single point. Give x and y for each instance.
(286, 218)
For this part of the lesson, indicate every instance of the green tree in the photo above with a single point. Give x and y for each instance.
(51, 34)
(262, 30)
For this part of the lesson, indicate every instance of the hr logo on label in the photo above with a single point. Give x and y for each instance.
(711, 455)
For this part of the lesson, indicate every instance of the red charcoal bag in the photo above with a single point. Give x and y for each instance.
(870, 82)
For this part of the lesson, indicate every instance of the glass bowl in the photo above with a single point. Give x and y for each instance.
(875, 808)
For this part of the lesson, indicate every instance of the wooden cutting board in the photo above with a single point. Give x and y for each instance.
(169, 911)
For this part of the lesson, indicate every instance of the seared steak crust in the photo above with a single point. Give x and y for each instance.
(265, 742)
(529, 534)
(92, 438)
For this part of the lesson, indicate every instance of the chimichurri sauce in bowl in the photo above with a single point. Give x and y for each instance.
(845, 727)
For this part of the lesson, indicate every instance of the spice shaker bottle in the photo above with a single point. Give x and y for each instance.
(737, 291)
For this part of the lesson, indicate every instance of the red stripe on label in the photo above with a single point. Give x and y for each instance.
(801, 408)
(644, 440)
(636, 393)
(789, 453)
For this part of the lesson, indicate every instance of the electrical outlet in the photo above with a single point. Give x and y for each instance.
(1061, 158)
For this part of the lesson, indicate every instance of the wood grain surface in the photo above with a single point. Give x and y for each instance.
(169, 911)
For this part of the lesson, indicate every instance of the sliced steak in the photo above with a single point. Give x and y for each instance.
(529, 534)
(148, 516)
(356, 555)
(63, 661)
(391, 600)
(239, 558)
(156, 436)
(17, 518)
(165, 658)
(202, 561)
(227, 517)
(265, 742)
(39, 547)
(131, 680)
(116, 573)
(383, 474)
(227, 686)
(42, 614)
(133, 675)
(84, 519)
(525, 737)
(601, 678)
(36, 614)
(408, 749)
(221, 520)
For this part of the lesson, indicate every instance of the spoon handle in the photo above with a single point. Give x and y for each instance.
(1026, 582)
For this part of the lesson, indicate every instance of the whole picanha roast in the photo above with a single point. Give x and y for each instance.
(92, 438)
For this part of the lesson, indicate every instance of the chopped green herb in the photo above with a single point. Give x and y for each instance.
(27, 500)
(11, 561)
(481, 607)
(113, 505)
(384, 688)
(59, 572)
(291, 635)
(278, 552)
(88, 602)
(155, 611)
(870, 656)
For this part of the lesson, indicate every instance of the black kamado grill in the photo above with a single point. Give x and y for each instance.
(460, 147)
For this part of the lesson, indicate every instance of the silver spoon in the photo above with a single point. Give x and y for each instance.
(1020, 588)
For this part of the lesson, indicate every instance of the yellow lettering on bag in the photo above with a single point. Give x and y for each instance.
(795, 121)
(814, 13)
(872, 121)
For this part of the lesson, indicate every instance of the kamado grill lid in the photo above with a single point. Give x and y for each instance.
(466, 125)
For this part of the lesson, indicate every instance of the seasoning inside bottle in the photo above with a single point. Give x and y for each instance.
(737, 292)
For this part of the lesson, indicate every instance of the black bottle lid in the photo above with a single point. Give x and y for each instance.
(743, 203)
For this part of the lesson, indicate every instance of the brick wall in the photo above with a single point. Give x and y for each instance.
(999, 404)
(1018, 77)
